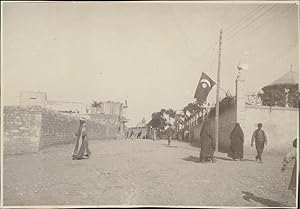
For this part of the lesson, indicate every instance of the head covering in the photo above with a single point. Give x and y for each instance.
(237, 131)
(82, 119)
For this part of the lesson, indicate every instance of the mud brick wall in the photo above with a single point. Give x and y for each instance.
(21, 130)
(57, 128)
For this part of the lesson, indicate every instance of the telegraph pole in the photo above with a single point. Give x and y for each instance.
(218, 91)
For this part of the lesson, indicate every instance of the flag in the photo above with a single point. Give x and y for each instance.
(204, 86)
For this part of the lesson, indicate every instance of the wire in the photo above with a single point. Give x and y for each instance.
(246, 17)
(281, 14)
(254, 20)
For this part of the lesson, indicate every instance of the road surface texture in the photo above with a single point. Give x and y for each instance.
(143, 172)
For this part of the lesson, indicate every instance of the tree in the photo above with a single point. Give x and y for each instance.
(160, 119)
(275, 95)
(96, 104)
(193, 109)
(157, 120)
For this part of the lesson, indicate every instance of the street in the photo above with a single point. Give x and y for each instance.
(143, 172)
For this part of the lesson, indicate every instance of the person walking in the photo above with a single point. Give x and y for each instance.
(292, 155)
(154, 134)
(131, 134)
(139, 135)
(208, 143)
(236, 149)
(260, 139)
(81, 138)
(169, 133)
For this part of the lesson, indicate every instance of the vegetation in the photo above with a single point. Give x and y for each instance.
(159, 120)
(275, 95)
(96, 104)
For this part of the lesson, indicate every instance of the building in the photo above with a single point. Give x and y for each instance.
(66, 106)
(111, 108)
(36, 98)
(33, 98)
(108, 108)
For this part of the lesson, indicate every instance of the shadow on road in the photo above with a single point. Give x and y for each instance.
(248, 160)
(170, 146)
(192, 159)
(248, 196)
(223, 158)
(229, 159)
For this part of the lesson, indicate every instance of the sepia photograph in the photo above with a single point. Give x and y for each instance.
(149, 104)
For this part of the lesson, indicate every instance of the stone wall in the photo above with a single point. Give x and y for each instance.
(21, 130)
(57, 128)
(28, 130)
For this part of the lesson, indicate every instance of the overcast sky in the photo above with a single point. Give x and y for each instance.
(151, 53)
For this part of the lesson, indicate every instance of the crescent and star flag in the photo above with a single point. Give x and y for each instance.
(204, 86)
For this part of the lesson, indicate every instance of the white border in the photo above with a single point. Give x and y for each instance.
(137, 2)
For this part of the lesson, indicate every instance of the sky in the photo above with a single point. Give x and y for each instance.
(151, 54)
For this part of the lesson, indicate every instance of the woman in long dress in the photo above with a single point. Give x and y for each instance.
(236, 150)
(81, 138)
(208, 143)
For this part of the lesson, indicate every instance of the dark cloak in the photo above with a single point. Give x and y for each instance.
(236, 149)
(207, 140)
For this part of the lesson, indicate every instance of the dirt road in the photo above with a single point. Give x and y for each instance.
(143, 172)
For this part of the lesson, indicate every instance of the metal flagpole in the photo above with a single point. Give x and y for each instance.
(217, 96)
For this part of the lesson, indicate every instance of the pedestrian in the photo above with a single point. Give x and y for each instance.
(169, 133)
(292, 155)
(208, 143)
(154, 134)
(81, 138)
(260, 139)
(131, 134)
(186, 135)
(139, 134)
(236, 149)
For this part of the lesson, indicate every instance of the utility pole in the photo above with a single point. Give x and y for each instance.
(218, 91)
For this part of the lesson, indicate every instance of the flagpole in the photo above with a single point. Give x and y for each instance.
(218, 91)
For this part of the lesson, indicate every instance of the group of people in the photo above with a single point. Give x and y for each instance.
(130, 135)
(236, 148)
(208, 145)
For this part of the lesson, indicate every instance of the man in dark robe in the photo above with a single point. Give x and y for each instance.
(208, 143)
(260, 139)
(81, 138)
(236, 149)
